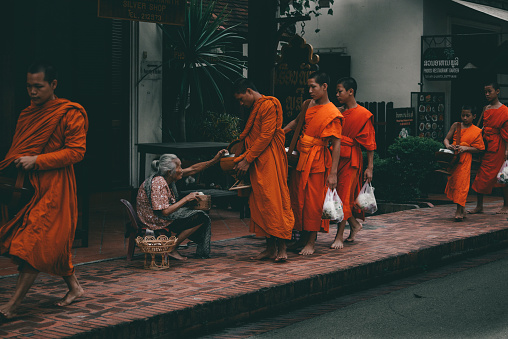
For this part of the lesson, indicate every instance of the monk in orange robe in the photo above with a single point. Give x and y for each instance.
(471, 141)
(317, 167)
(495, 132)
(50, 137)
(265, 160)
(357, 132)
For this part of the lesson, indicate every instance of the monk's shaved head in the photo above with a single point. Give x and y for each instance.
(320, 78)
(50, 72)
(348, 83)
(241, 85)
(494, 85)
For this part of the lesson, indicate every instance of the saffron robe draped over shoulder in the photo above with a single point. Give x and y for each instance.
(495, 131)
(358, 130)
(457, 187)
(308, 180)
(269, 200)
(42, 232)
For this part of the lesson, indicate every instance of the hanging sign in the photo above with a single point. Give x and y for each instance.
(440, 63)
(171, 12)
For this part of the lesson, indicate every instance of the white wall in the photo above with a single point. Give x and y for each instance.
(146, 95)
(383, 39)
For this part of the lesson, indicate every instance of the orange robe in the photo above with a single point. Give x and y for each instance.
(358, 130)
(308, 180)
(495, 131)
(457, 187)
(42, 232)
(269, 201)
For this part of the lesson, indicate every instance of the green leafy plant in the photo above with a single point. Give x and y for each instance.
(222, 127)
(202, 53)
(403, 175)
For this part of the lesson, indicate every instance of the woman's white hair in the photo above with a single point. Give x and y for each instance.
(166, 164)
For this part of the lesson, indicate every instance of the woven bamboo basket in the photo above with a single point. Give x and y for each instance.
(161, 245)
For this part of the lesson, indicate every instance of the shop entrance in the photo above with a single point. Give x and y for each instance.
(476, 48)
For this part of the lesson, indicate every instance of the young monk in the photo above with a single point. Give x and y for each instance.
(265, 161)
(357, 132)
(50, 137)
(471, 141)
(495, 132)
(317, 168)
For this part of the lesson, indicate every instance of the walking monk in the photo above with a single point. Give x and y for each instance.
(470, 141)
(49, 138)
(495, 132)
(265, 161)
(317, 168)
(357, 131)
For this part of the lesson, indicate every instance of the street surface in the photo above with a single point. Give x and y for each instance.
(468, 299)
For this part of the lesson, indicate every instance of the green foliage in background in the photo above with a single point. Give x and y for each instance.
(221, 127)
(404, 175)
(202, 53)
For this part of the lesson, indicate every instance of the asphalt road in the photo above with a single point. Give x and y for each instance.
(471, 303)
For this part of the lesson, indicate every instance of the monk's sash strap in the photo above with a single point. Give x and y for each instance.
(304, 146)
(491, 130)
(349, 149)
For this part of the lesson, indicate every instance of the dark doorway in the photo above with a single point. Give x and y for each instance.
(92, 56)
(336, 66)
(475, 47)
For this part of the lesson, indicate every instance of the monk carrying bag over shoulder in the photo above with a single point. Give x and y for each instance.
(448, 159)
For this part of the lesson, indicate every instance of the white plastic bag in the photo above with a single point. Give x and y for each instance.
(332, 207)
(502, 176)
(366, 200)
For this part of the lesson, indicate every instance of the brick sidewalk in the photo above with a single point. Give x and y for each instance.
(125, 301)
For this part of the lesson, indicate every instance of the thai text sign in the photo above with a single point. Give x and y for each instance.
(171, 12)
(440, 64)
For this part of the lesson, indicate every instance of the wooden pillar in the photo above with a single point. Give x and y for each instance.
(261, 36)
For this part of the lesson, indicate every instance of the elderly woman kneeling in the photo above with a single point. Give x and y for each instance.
(159, 206)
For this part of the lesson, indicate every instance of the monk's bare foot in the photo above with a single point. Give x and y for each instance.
(503, 210)
(337, 244)
(476, 210)
(354, 230)
(307, 250)
(266, 254)
(175, 255)
(70, 297)
(6, 315)
(281, 257)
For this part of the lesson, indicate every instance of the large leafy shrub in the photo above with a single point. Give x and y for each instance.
(404, 175)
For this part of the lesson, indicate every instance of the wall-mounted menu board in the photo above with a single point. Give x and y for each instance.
(430, 114)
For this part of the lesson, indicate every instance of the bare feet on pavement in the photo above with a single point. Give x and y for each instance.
(503, 210)
(266, 254)
(353, 232)
(337, 244)
(175, 255)
(476, 210)
(307, 250)
(70, 297)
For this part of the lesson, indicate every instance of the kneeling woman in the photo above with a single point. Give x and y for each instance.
(159, 208)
